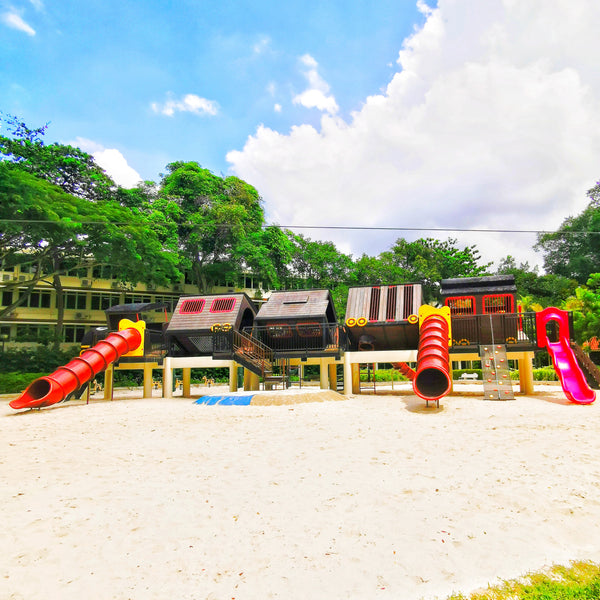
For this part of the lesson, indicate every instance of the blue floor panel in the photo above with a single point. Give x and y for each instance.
(233, 400)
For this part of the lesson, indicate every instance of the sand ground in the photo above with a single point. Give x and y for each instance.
(366, 497)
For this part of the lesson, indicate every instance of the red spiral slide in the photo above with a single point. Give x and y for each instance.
(54, 388)
(432, 377)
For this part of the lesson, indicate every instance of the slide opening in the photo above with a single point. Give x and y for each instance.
(432, 383)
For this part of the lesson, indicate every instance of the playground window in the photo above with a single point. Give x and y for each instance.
(498, 303)
(392, 295)
(191, 307)
(279, 331)
(221, 305)
(374, 305)
(461, 305)
(309, 329)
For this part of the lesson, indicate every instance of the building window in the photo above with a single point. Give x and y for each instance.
(135, 298)
(32, 333)
(6, 298)
(73, 334)
(102, 272)
(76, 300)
(104, 301)
(39, 300)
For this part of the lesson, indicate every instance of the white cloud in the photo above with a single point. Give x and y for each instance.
(492, 121)
(15, 21)
(37, 4)
(317, 94)
(111, 160)
(262, 45)
(277, 107)
(189, 103)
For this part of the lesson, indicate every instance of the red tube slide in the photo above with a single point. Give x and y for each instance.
(432, 377)
(54, 388)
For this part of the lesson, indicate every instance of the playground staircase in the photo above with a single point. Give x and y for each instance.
(589, 368)
(496, 376)
(252, 354)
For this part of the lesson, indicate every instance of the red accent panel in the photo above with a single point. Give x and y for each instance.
(461, 305)
(221, 305)
(191, 307)
(498, 303)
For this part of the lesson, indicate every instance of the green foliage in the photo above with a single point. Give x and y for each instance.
(574, 249)
(585, 304)
(579, 581)
(15, 383)
(34, 360)
(537, 291)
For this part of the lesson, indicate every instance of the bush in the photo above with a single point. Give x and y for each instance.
(15, 383)
(34, 360)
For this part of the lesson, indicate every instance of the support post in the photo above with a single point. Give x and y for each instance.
(355, 378)
(233, 377)
(526, 373)
(167, 378)
(324, 375)
(109, 382)
(332, 376)
(187, 382)
(251, 381)
(147, 380)
(347, 374)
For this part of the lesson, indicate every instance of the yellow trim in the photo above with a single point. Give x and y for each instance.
(351, 322)
(141, 327)
(425, 311)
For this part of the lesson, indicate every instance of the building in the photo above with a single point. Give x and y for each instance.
(88, 293)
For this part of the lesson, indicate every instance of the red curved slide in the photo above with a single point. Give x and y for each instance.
(54, 388)
(432, 377)
(565, 363)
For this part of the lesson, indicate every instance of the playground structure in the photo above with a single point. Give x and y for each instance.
(384, 324)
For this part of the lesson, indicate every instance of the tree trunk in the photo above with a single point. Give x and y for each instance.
(60, 312)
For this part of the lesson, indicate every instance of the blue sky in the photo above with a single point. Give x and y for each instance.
(96, 69)
(418, 114)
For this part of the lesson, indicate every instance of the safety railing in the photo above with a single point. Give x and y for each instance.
(301, 338)
(518, 329)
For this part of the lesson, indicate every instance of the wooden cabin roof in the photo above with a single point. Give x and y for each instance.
(202, 312)
(384, 303)
(298, 304)
(465, 286)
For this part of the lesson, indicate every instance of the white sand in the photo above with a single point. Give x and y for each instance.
(372, 497)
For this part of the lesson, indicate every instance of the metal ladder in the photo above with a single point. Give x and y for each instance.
(496, 376)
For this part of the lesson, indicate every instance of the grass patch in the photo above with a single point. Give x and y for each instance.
(579, 581)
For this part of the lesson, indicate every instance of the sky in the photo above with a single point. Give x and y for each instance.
(431, 116)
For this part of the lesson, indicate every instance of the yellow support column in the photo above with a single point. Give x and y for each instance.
(355, 378)
(347, 374)
(333, 376)
(147, 381)
(526, 373)
(109, 382)
(233, 377)
(251, 381)
(324, 375)
(187, 382)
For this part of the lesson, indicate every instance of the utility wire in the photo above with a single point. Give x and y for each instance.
(321, 227)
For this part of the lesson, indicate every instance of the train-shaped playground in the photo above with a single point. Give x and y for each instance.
(479, 320)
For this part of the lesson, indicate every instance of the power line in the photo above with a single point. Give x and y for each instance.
(317, 227)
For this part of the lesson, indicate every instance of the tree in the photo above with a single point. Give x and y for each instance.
(536, 290)
(428, 261)
(215, 217)
(585, 304)
(573, 251)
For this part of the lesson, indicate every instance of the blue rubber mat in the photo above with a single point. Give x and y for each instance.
(230, 400)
